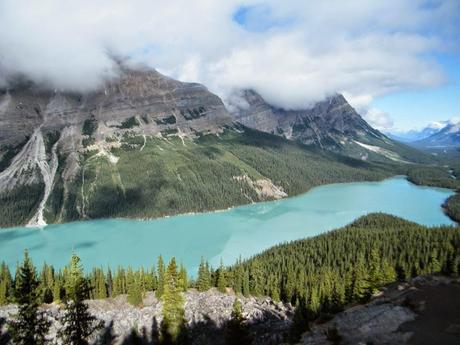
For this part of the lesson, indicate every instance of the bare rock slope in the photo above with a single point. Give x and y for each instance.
(330, 124)
(424, 311)
(206, 314)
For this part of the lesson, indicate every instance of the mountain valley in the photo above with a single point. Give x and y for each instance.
(147, 146)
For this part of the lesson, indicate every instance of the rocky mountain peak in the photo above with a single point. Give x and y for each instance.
(328, 123)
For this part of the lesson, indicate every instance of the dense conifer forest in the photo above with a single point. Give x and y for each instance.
(443, 177)
(174, 176)
(17, 209)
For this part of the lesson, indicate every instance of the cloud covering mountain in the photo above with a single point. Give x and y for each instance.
(293, 53)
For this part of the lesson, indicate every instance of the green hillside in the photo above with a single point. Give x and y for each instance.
(326, 272)
(170, 175)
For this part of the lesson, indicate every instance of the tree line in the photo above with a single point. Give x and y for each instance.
(71, 288)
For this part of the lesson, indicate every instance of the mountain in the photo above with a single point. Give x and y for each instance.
(446, 138)
(416, 135)
(332, 124)
(144, 145)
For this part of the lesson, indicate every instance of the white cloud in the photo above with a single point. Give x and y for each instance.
(378, 119)
(361, 48)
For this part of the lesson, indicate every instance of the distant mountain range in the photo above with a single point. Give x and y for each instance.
(145, 145)
(446, 138)
(436, 136)
(415, 135)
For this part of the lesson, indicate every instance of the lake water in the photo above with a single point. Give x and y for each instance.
(244, 230)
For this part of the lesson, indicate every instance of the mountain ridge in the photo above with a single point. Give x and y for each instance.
(146, 145)
(446, 138)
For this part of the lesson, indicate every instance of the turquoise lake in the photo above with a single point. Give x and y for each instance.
(244, 230)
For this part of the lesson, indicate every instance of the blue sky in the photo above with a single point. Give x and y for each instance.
(410, 109)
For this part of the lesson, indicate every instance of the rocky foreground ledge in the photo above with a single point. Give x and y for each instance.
(206, 314)
(423, 311)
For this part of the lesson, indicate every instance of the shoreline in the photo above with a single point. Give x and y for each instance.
(146, 219)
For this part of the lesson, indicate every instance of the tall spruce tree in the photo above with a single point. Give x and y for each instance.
(173, 322)
(78, 324)
(161, 277)
(204, 276)
(30, 326)
(246, 288)
(361, 288)
(135, 294)
(221, 278)
(6, 284)
(183, 278)
(375, 270)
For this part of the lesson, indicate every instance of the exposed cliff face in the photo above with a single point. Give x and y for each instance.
(144, 94)
(206, 314)
(332, 122)
(39, 126)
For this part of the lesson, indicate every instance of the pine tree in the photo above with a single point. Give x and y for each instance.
(119, 282)
(183, 279)
(6, 284)
(99, 284)
(221, 278)
(47, 283)
(238, 277)
(375, 271)
(78, 323)
(361, 289)
(57, 290)
(204, 277)
(314, 304)
(109, 283)
(388, 273)
(246, 291)
(135, 292)
(161, 277)
(4, 292)
(435, 266)
(30, 326)
(237, 332)
(256, 279)
(173, 305)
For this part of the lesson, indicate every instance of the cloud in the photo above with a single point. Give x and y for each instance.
(378, 119)
(293, 52)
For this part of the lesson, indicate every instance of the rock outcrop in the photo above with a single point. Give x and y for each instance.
(206, 314)
(425, 310)
(329, 123)
(156, 101)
